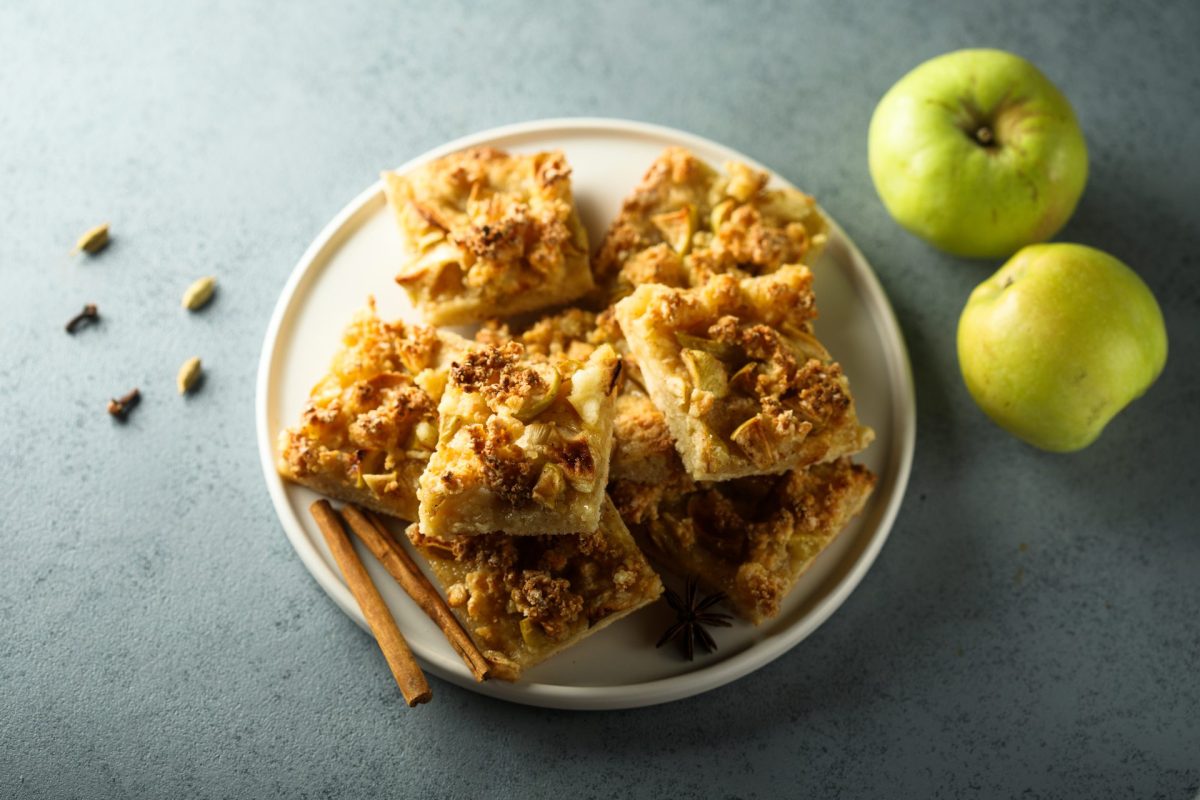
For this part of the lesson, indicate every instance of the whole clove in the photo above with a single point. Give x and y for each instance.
(89, 314)
(120, 407)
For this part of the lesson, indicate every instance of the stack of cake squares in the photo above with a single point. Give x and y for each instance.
(670, 401)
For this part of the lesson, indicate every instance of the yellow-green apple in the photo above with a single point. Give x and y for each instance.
(977, 152)
(1058, 341)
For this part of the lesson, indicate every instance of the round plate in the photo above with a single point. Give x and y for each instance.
(357, 255)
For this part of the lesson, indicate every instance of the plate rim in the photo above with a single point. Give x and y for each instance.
(632, 695)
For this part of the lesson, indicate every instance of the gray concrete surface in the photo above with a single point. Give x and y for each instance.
(1029, 630)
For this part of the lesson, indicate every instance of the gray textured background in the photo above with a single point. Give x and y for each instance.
(1030, 628)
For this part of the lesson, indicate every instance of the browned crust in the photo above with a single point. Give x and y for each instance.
(525, 598)
(497, 373)
(751, 538)
(643, 449)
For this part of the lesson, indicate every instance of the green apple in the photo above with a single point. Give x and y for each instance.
(977, 152)
(1058, 341)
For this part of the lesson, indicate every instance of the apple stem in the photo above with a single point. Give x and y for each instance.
(984, 136)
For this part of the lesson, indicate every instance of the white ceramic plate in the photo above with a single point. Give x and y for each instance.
(358, 253)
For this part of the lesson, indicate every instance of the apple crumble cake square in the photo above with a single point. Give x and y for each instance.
(525, 598)
(752, 537)
(642, 446)
(370, 425)
(490, 234)
(686, 222)
(523, 444)
(733, 366)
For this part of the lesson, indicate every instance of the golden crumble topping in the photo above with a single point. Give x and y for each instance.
(523, 444)
(370, 425)
(751, 538)
(642, 446)
(489, 233)
(733, 366)
(524, 598)
(572, 333)
(686, 222)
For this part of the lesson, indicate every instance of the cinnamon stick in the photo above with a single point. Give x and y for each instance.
(395, 559)
(405, 669)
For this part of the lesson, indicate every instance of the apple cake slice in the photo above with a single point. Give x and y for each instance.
(642, 446)
(686, 222)
(489, 234)
(733, 366)
(523, 444)
(370, 425)
(525, 598)
(751, 538)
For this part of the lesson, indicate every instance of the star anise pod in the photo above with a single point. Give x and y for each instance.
(692, 615)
